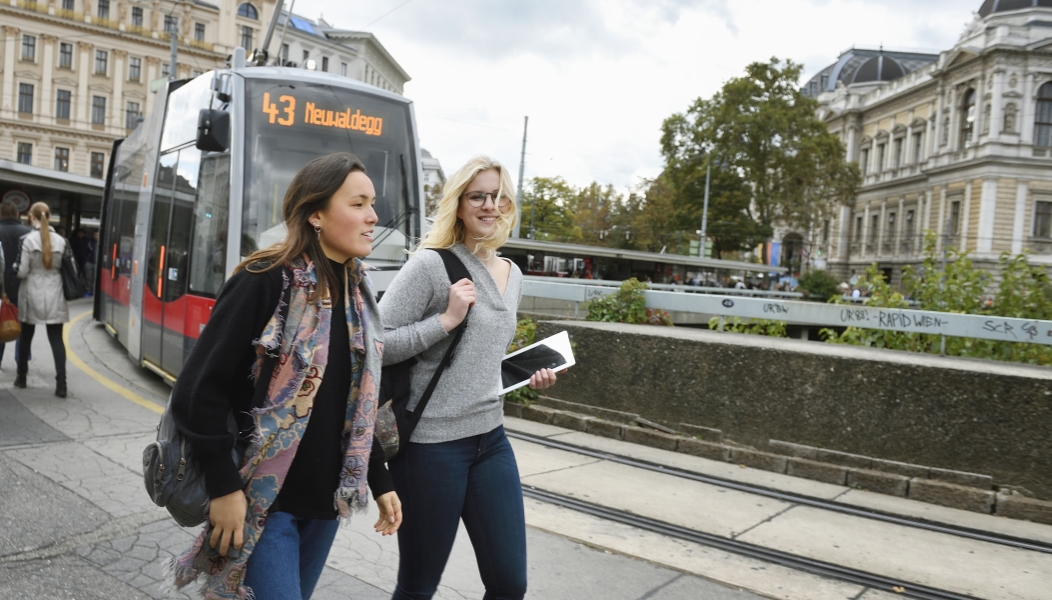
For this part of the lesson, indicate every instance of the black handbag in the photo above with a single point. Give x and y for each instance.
(72, 286)
(172, 476)
(394, 421)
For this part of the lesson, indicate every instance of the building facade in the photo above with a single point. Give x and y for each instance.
(79, 74)
(958, 144)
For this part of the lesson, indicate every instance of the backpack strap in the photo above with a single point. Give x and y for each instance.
(456, 271)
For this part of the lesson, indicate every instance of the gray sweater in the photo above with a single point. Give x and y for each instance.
(466, 401)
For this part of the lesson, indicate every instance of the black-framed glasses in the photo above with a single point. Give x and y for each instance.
(478, 199)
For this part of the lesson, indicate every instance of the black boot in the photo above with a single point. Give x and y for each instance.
(60, 388)
(20, 380)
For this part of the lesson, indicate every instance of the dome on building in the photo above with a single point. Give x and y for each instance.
(996, 6)
(879, 68)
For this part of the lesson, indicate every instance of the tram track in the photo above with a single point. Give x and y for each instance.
(794, 498)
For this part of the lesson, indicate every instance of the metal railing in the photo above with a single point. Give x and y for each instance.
(727, 304)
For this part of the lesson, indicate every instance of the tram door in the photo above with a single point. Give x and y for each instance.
(167, 256)
(116, 241)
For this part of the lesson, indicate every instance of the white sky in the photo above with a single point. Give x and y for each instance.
(598, 77)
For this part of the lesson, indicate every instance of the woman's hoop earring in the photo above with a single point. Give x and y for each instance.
(317, 228)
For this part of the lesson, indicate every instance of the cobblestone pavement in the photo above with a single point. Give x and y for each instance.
(76, 523)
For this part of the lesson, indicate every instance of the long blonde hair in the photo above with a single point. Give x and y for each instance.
(42, 215)
(448, 230)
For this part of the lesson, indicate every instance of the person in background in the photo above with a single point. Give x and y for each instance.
(40, 297)
(79, 244)
(11, 232)
(459, 464)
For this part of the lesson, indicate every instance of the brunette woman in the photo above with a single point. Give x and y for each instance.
(459, 464)
(274, 516)
(40, 297)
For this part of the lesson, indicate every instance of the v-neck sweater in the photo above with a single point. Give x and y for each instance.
(466, 401)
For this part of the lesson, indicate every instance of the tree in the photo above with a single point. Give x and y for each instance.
(763, 129)
(549, 198)
(432, 196)
(592, 208)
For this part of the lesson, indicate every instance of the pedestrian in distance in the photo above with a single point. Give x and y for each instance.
(312, 458)
(89, 265)
(40, 297)
(11, 232)
(459, 464)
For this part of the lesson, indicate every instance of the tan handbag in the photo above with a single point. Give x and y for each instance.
(10, 328)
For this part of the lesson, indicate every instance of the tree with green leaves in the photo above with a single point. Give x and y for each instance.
(547, 200)
(763, 129)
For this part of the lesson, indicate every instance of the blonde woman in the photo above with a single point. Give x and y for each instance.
(459, 464)
(40, 297)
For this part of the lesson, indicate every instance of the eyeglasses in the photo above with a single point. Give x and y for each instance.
(478, 199)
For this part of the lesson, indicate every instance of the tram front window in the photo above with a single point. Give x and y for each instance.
(290, 124)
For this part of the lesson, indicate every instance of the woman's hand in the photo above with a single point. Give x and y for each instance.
(390, 514)
(545, 378)
(461, 298)
(227, 514)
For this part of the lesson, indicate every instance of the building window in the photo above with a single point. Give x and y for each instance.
(67, 5)
(918, 147)
(967, 119)
(131, 114)
(102, 59)
(199, 32)
(63, 99)
(248, 11)
(874, 229)
(325, 64)
(164, 69)
(104, 9)
(25, 153)
(908, 228)
(98, 110)
(98, 164)
(898, 152)
(1010, 116)
(65, 56)
(284, 53)
(858, 229)
(246, 38)
(880, 157)
(955, 218)
(136, 16)
(171, 24)
(1043, 118)
(29, 48)
(825, 83)
(864, 161)
(62, 159)
(134, 69)
(306, 55)
(1043, 219)
(343, 69)
(25, 98)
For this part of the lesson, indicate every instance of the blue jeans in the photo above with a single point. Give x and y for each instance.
(289, 557)
(475, 479)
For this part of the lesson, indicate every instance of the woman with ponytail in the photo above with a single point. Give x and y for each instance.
(40, 297)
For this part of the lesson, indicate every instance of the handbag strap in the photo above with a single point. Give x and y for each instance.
(456, 271)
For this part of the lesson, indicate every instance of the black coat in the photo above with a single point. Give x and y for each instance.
(11, 231)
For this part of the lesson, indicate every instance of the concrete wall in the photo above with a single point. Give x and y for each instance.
(969, 415)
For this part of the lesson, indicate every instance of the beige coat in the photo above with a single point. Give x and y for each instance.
(40, 298)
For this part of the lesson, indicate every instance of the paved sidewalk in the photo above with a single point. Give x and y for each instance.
(75, 521)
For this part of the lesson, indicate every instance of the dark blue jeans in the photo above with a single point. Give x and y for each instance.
(475, 479)
(289, 557)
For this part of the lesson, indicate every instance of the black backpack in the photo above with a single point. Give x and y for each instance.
(394, 421)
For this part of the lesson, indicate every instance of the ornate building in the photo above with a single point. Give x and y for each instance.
(958, 143)
(79, 74)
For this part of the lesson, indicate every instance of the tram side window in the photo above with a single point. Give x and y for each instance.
(178, 254)
(157, 244)
(208, 253)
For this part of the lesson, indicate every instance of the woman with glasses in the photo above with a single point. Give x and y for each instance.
(459, 464)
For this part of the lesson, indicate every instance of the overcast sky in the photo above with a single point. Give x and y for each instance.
(597, 77)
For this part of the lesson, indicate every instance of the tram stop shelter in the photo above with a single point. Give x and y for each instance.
(75, 200)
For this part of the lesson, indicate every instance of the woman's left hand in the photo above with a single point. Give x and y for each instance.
(545, 378)
(390, 514)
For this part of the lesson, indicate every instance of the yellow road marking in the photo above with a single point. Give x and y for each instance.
(106, 382)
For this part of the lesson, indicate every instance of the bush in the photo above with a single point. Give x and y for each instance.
(751, 326)
(627, 305)
(819, 283)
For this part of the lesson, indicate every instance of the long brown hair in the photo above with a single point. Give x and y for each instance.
(42, 214)
(311, 190)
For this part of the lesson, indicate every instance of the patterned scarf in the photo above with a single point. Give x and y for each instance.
(282, 421)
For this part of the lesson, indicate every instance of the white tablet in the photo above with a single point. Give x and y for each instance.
(550, 353)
